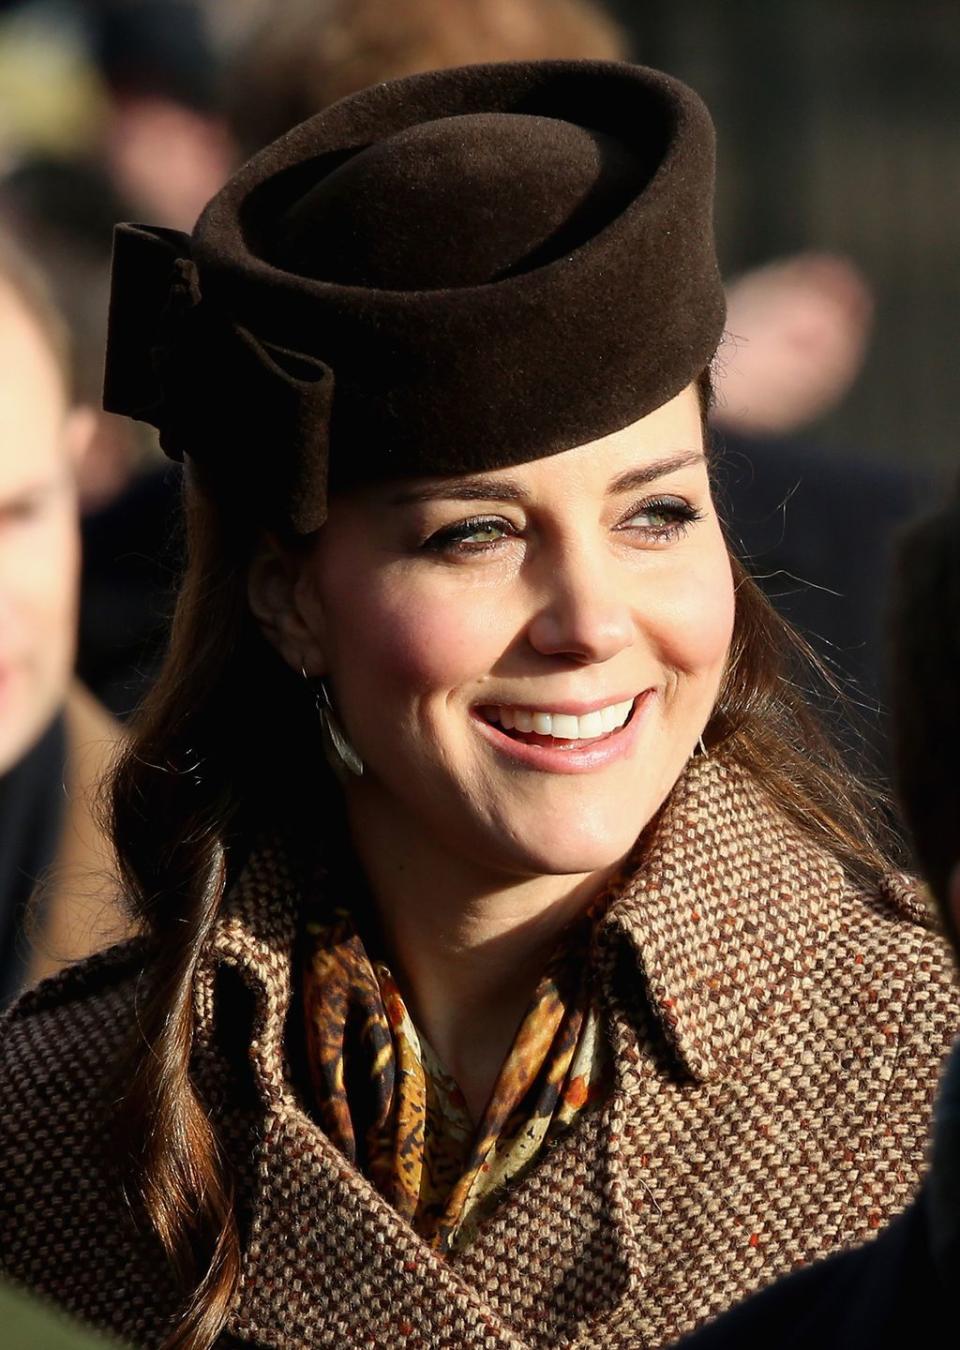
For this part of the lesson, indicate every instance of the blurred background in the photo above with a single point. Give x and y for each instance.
(839, 129)
(839, 230)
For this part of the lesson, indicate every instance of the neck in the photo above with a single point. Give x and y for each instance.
(466, 944)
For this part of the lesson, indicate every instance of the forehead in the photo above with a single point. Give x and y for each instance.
(32, 399)
(668, 439)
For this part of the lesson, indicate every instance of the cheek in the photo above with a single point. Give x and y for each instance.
(412, 639)
(39, 570)
(691, 624)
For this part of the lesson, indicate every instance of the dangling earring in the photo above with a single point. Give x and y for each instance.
(703, 754)
(341, 756)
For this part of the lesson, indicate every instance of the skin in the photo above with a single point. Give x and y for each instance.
(41, 443)
(576, 586)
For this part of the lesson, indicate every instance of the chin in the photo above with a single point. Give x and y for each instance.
(570, 845)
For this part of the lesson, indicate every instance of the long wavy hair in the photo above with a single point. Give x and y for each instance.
(227, 739)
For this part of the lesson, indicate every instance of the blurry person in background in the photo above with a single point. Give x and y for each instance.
(64, 212)
(797, 336)
(301, 55)
(798, 330)
(165, 143)
(55, 740)
(900, 1290)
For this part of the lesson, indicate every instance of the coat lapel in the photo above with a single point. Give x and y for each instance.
(703, 944)
(723, 919)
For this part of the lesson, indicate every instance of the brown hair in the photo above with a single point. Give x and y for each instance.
(306, 54)
(926, 658)
(191, 785)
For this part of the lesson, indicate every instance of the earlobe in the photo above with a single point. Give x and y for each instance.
(275, 600)
(79, 431)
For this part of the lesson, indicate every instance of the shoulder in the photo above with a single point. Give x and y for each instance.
(892, 965)
(58, 1047)
(894, 927)
(67, 1230)
(81, 991)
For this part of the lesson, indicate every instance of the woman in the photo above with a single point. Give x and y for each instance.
(575, 1002)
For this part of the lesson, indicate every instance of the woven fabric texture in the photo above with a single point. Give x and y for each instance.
(777, 1037)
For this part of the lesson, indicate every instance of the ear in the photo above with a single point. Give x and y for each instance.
(79, 429)
(286, 609)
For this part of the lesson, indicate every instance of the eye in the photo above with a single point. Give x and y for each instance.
(22, 511)
(470, 536)
(661, 518)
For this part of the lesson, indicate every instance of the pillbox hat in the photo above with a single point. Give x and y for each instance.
(447, 273)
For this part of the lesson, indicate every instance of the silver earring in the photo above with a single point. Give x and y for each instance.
(702, 749)
(341, 756)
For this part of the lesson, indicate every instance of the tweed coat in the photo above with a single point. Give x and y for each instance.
(777, 1036)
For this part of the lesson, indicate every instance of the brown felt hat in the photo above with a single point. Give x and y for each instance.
(447, 273)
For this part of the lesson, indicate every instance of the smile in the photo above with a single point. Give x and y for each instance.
(564, 741)
(559, 726)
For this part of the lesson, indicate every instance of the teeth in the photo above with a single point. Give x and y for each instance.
(608, 716)
(563, 726)
(591, 724)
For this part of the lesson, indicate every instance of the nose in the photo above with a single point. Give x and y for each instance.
(584, 611)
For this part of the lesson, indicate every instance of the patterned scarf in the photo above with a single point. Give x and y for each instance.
(384, 1098)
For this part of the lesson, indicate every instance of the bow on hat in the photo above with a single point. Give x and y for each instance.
(215, 391)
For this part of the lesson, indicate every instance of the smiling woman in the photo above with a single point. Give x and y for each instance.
(517, 965)
(465, 649)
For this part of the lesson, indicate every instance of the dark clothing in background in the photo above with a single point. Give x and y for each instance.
(885, 1296)
(817, 528)
(32, 810)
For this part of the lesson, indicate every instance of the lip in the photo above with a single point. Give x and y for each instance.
(572, 707)
(616, 745)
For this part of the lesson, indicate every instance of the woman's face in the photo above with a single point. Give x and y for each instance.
(525, 658)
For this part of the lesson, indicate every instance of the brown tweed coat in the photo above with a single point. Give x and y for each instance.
(777, 1039)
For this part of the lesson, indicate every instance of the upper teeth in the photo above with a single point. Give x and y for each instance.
(564, 726)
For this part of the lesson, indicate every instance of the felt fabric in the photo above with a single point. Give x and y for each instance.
(448, 273)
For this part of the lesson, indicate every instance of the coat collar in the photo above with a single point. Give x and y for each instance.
(721, 916)
(712, 928)
(724, 916)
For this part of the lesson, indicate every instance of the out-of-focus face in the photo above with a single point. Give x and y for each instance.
(39, 544)
(525, 658)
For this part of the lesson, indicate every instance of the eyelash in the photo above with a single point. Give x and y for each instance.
(680, 514)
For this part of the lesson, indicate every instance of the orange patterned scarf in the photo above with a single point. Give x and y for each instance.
(385, 1100)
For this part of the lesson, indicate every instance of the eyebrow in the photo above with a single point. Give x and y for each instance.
(31, 491)
(481, 488)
